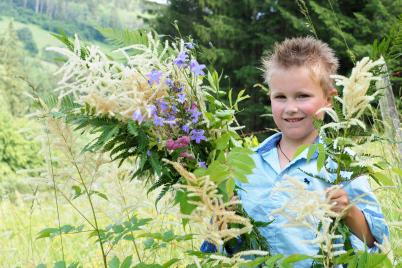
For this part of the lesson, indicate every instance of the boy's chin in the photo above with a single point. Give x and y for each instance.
(299, 137)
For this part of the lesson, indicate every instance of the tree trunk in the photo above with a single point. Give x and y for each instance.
(37, 4)
(389, 112)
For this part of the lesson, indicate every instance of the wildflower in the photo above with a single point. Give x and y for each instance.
(181, 97)
(158, 121)
(187, 155)
(189, 45)
(174, 109)
(213, 214)
(169, 82)
(197, 135)
(154, 77)
(170, 144)
(181, 59)
(197, 68)
(181, 142)
(202, 164)
(163, 105)
(195, 114)
(171, 120)
(184, 140)
(152, 111)
(137, 116)
(149, 153)
(178, 89)
(186, 128)
(354, 99)
(316, 210)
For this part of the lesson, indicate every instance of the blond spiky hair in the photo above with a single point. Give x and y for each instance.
(303, 51)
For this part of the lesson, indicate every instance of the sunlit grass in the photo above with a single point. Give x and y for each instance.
(22, 218)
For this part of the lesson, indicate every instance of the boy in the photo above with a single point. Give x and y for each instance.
(298, 74)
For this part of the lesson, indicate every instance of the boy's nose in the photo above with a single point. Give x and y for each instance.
(291, 108)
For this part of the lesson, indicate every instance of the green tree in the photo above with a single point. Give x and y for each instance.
(12, 62)
(18, 150)
(233, 35)
(25, 36)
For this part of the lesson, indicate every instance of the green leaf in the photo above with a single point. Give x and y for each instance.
(223, 141)
(311, 150)
(168, 236)
(47, 232)
(300, 149)
(224, 114)
(144, 265)
(77, 191)
(273, 260)
(60, 264)
(155, 163)
(363, 260)
(295, 258)
(124, 37)
(382, 179)
(101, 195)
(218, 172)
(127, 262)
(230, 186)
(321, 157)
(114, 262)
(255, 262)
(185, 207)
(74, 265)
(132, 128)
(148, 243)
(41, 265)
(170, 262)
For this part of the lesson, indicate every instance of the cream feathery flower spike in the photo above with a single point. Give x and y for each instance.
(212, 213)
(354, 94)
(109, 86)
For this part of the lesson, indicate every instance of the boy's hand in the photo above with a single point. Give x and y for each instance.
(339, 200)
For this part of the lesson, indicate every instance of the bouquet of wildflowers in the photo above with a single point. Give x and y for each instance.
(156, 104)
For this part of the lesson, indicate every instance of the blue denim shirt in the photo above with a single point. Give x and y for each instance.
(259, 201)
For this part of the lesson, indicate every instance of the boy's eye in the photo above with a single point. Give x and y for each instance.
(279, 97)
(303, 96)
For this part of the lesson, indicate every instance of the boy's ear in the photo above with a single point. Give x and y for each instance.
(331, 93)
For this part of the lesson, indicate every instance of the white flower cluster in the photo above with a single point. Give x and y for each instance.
(212, 213)
(116, 88)
(316, 210)
(354, 94)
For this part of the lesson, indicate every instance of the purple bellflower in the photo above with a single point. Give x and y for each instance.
(152, 111)
(186, 128)
(197, 135)
(154, 77)
(181, 59)
(137, 116)
(158, 121)
(189, 45)
(197, 68)
(181, 97)
(202, 164)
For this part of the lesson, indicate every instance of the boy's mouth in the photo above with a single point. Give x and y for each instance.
(293, 120)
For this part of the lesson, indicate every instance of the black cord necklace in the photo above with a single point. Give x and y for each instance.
(280, 149)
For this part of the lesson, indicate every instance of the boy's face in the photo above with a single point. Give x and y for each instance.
(295, 99)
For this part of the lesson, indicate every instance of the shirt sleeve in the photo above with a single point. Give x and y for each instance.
(207, 247)
(359, 193)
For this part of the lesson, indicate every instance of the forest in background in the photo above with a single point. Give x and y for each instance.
(232, 36)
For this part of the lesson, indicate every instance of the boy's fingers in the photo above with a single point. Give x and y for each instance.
(335, 193)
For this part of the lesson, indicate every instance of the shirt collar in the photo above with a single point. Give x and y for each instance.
(271, 142)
